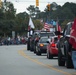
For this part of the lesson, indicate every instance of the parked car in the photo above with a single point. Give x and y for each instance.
(52, 49)
(41, 46)
(64, 59)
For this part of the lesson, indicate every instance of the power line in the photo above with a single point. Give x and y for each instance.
(40, 1)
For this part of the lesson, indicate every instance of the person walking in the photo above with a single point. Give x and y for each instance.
(72, 42)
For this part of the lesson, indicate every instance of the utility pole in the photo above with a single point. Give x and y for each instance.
(48, 9)
(5, 5)
(5, 13)
(4, 1)
(0, 4)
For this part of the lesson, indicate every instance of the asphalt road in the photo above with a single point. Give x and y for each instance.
(17, 60)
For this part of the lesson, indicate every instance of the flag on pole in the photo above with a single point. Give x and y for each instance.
(46, 26)
(30, 27)
(58, 29)
(31, 24)
(72, 39)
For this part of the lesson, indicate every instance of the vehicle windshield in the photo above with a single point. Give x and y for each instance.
(46, 34)
(67, 29)
(43, 40)
(55, 39)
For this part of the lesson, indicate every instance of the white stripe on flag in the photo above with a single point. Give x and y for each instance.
(46, 26)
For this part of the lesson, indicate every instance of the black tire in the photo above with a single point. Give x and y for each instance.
(34, 48)
(34, 51)
(31, 49)
(37, 52)
(69, 63)
(28, 46)
(61, 61)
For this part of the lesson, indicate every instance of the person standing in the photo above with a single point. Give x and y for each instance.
(72, 42)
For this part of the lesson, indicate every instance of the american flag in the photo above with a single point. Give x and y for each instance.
(58, 29)
(31, 24)
(46, 26)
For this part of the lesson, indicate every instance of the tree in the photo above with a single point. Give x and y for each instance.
(7, 19)
(22, 22)
(38, 24)
(10, 11)
(34, 11)
(71, 6)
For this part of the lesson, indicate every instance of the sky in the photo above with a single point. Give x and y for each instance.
(22, 5)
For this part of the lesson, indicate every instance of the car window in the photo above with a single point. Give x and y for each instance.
(67, 29)
(43, 40)
(46, 34)
(55, 39)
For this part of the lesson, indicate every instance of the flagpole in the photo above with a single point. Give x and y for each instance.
(28, 34)
(57, 24)
(31, 27)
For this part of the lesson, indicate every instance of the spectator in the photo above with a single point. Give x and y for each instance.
(9, 40)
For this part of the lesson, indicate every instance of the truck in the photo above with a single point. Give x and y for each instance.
(64, 59)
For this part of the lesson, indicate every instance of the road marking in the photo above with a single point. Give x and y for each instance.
(21, 52)
(74, 73)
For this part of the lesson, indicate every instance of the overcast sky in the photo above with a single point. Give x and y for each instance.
(21, 5)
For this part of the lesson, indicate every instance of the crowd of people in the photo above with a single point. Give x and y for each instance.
(11, 41)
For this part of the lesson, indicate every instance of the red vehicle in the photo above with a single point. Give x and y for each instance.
(52, 49)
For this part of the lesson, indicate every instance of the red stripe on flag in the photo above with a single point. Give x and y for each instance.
(58, 29)
(46, 26)
(72, 39)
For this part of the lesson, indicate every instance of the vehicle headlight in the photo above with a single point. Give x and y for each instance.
(41, 45)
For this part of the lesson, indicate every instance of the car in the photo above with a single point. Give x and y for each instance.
(34, 39)
(42, 34)
(46, 33)
(52, 49)
(41, 45)
(64, 59)
(31, 41)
